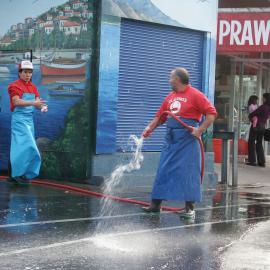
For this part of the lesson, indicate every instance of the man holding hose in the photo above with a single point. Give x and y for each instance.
(179, 172)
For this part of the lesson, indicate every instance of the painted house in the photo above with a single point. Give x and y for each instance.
(20, 26)
(28, 20)
(60, 20)
(67, 7)
(69, 13)
(70, 27)
(87, 14)
(61, 13)
(40, 23)
(77, 14)
(49, 18)
(77, 5)
(84, 25)
(31, 32)
(5, 41)
(13, 27)
(85, 6)
(48, 28)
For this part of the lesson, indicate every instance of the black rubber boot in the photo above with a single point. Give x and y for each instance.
(12, 180)
(189, 206)
(22, 181)
(154, 206)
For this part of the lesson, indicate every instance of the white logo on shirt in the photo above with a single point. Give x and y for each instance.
(175, 107)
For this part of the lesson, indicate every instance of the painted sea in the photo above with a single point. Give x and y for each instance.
(60, 92)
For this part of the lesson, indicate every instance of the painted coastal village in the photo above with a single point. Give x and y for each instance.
(71, 18)
(59, 38)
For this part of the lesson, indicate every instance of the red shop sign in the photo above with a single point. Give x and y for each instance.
(243, 32)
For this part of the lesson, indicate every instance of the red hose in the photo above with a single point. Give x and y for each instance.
(189, 128)
(116, 198)
(96, 194)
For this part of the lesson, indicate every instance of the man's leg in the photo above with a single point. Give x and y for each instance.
(251, 147)
(259, 149)
(154, 207)
(189, 206)
(189, 212)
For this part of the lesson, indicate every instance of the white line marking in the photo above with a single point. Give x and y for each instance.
(87, 239)
(116, 216)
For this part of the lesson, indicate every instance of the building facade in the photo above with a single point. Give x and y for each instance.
(242, 69)
(113, 58)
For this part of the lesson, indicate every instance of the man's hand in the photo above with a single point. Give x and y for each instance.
(197, 132)
(147, 132)
(38, 103)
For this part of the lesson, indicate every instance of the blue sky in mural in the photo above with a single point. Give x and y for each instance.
(22, 9)
(191, 13)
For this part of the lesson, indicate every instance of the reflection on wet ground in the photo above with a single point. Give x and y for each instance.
(48, 228)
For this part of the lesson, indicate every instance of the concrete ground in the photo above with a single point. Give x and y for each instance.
(51, 228)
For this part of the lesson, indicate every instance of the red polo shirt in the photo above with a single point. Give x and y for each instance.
(191, 104)
(18, 88)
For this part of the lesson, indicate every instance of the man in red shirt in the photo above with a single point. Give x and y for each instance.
(24, 98)
(178, 175)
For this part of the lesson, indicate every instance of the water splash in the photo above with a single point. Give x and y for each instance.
(116, 176)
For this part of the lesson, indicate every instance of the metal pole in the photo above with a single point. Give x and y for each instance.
(235, 158)
(224, 164)
(232, 95)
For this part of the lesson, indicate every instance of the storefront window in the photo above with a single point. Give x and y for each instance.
(236, 81)
(223, 92)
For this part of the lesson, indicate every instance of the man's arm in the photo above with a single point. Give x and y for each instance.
(151, 126)
(257, 112)
(209, 120)
(17, 101)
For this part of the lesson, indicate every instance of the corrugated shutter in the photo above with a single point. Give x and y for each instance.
(148, 52)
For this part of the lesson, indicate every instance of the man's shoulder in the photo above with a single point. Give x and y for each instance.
(196, 92)
(194, 89)
(170, 95)
(14, 84)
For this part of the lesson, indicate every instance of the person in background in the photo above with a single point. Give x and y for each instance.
(252, 106)
(24, 98)
(179, 173)
(255, 146)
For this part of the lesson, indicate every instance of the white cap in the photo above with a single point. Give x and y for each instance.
(25, 64)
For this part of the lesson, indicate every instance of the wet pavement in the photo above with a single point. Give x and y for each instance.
(49, 228)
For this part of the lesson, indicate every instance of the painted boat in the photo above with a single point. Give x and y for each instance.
(4, 70)
(67, 93)
(63, 67)
(66, 90)
(62, 79)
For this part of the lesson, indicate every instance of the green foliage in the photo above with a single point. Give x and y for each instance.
(56, 39)
(75, 19)
(50, 165)
(68, 154)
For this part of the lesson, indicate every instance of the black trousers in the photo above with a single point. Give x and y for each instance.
(255, 146)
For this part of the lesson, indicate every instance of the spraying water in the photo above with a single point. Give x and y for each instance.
(117, 175)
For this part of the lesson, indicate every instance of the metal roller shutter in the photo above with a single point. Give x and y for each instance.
(148, 52)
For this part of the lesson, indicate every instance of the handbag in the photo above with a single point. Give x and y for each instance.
(267, 135)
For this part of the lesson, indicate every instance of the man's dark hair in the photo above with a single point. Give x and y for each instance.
(267, 98)
(182, 74)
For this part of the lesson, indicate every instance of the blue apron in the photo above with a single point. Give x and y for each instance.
(179, 172)
(24, 155)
